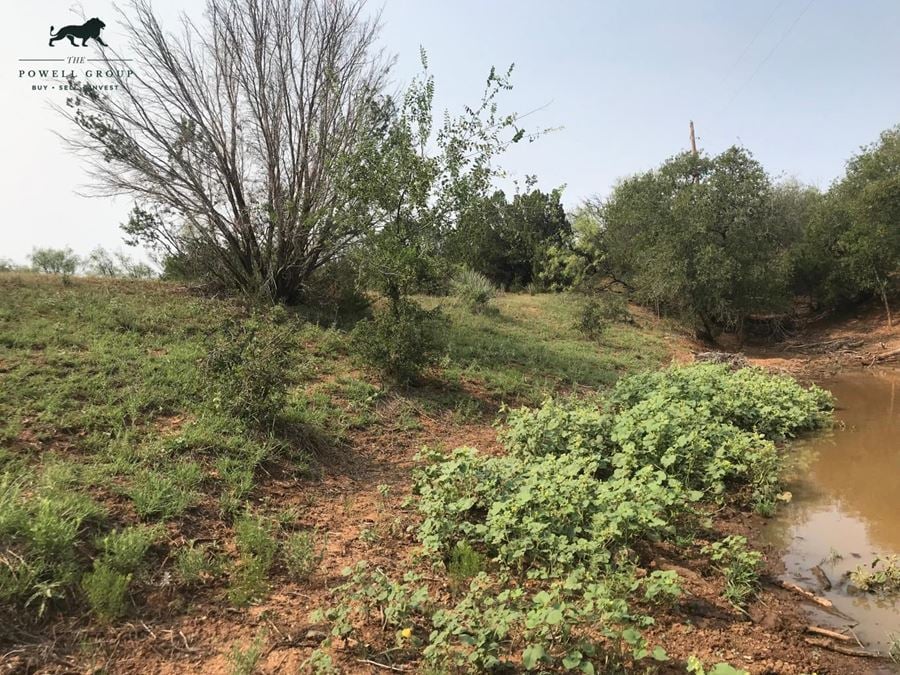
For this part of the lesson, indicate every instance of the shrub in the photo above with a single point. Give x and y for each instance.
(105, 590)
(401, 341)
(544, 516)
(473, 290)
(599, 312)
(249, 364)
(557, 427)
(62, 261)
(776, 406)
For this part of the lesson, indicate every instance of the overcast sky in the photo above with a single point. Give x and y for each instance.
(801, 83)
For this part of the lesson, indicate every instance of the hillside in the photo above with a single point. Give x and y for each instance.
(154, 532)
(104, 409)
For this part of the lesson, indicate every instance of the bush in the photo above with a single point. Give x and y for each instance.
(62, 261)
(334, 294)
(249, 364)
(598, 313)
(401, 341)
(703, 425)
(544, 515)
(473, 290)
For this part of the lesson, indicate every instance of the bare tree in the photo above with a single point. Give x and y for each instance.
(234, 135)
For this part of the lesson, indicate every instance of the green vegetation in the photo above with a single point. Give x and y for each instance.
(473, 290)
(717, 243)
(61, 261)
(243, 661)
(131, 409)
(738, 565)
(549, 533)
(881, 576)
(510, 242)
(401, 340)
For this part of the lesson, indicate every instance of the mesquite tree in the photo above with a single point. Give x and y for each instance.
(233, 135)
(428, 177)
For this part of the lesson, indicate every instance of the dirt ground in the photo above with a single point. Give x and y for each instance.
(365, 522)
(858, 340)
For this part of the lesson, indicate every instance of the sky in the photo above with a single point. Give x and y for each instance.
(801, 83)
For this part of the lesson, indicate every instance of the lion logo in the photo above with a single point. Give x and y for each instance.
(86, 31)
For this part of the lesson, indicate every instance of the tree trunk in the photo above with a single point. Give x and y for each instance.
(887, 307)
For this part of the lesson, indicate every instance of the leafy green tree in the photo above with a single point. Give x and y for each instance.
(867, 204)
(62, 261)
(699, 237)
(413, 182)
(408, 185)
(510, 241)
(850, 246)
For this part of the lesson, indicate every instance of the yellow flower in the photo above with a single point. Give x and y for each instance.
(406, 632)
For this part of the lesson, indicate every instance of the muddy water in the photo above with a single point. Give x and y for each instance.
(845, 509)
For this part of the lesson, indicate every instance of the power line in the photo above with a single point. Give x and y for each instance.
(766, 59)
(746, 49)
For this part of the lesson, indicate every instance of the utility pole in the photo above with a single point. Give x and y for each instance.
(696, 173)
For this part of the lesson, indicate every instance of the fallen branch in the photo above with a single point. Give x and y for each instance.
(884, 356)
(818, 630)
(841, 649)
(824, 602)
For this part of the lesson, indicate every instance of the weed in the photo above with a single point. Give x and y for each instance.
(739, 565)
(256, 545)
(124, 551)
(301, 553)
(165, 494)
(105, 590)
(465, 562)
(243, 661)
(893, 650)
(833, 557)
(881, 576)
(249, 363)
(195, 564)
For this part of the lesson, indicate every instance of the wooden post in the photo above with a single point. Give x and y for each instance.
(694, 152)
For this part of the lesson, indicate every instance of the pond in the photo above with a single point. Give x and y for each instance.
(845, 506)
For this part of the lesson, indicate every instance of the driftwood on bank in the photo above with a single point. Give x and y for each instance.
(818, 630)
(886, 356)
(809, 595)
(824, 643)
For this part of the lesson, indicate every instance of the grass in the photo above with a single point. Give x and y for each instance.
(116, 449)
(532, 347)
